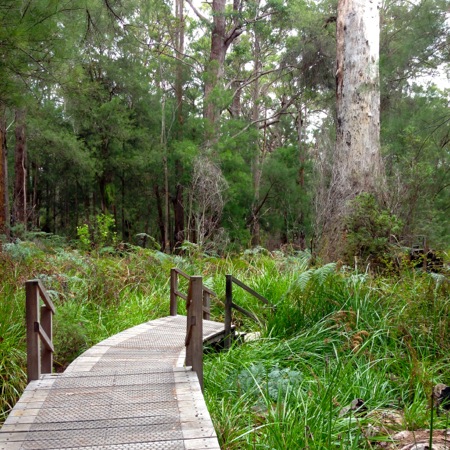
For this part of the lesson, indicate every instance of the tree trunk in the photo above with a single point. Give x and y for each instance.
(179, 47)
(220, 43)
(4, 204)
(358, 157)
(159, 207)
(178, 200)
(257, 159)
(20, 179)
(216, 62)
(357, 166)
(178, 209)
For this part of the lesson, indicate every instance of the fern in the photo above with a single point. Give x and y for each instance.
(321, 274)
(304, 278)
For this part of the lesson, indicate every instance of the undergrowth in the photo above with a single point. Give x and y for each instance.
(334, 335)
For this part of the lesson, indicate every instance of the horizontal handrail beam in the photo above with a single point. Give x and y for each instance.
(250, 291)
(44, 295)
(183, 274)
(209, 291)
(180, 294)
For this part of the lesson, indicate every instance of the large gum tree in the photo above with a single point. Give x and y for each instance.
(358, 165)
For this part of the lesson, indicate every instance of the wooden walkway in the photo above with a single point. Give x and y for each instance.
(130, 391)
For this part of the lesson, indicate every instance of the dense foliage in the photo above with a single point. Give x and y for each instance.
(130, 113)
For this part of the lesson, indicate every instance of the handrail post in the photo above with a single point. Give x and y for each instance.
(46, 353)
(33, 340)
(206, 305)
(173, 290)
(228, 307)
(194, 347)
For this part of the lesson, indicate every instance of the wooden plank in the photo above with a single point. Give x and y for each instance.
(180, 294)
(45, 339)
(183, 274)
(245, 312)
(173, 292)
(48, 350)
(194, 348)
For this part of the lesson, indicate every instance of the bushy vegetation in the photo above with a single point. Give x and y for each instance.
(336, 334)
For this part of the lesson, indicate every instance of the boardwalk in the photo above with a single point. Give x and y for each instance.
(130, 391)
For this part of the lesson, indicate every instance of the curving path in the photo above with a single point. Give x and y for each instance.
(130, 391)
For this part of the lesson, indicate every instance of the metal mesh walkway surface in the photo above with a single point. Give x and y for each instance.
(130, 391)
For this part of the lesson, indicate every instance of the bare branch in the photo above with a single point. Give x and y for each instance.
(198, 13)
(267, 122)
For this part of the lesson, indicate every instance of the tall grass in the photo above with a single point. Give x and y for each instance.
(344, 335)
(336, 335)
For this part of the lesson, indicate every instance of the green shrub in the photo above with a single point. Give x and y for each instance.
(370, 230)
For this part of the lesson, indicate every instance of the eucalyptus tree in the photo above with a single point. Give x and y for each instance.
(357, 164)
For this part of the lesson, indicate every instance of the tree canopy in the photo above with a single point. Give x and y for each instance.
(213, 124)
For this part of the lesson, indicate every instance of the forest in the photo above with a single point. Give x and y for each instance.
(214, 124)
(301, 145)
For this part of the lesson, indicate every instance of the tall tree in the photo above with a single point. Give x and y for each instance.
(4, 208)
(358, 165)
(20, 170)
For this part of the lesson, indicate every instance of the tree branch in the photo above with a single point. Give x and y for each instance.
(198, 13)
(255, 213)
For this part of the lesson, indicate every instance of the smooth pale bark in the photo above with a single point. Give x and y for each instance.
(20, 170)
(178, 200)
(179, 46)
(358, 161)
(215, 68)
(357, 165)
(4, 204)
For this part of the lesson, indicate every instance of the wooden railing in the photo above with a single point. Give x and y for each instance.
(198, 304)
(39, 328)
(175, 293)
(194, 327)
(198, 307)
(229, 305)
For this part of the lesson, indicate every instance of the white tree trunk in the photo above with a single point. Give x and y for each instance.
(358, 163)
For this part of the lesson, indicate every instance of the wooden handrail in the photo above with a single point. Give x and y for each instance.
(194, 330)
(229, 305)
(198, 308)
(175, 293)
(39, 328)
(250, 290)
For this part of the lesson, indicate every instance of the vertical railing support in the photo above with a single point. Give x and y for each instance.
(194, 335)
(206, 305)
(33, 341)
(47, 353)
(228, 308)
(173, 291)
(39, 327)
